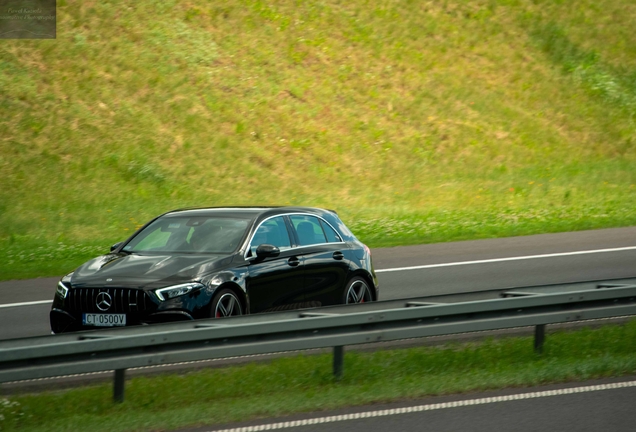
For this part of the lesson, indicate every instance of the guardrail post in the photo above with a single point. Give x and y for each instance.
(338, 361)
(539, 338)
(120, 381)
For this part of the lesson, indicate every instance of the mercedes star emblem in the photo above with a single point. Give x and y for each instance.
(104, 300)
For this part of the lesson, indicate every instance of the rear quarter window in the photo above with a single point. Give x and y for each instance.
(332, 235)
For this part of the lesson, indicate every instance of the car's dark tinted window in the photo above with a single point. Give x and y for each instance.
(308, 230)
(274, 232)
(332, 236)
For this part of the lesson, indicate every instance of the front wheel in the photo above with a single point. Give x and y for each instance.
(224, 304)
(357, 291)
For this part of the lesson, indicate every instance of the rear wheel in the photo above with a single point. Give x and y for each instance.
(224, 304)
(357, 291)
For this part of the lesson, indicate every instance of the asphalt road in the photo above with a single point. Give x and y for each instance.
(583, 407)
(413, 271)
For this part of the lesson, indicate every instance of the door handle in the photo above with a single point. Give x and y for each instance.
(338, 255)
(293, 261)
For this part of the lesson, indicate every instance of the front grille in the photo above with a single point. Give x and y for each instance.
(123, 300)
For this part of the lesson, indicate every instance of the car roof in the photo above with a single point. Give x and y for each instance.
(244, 212)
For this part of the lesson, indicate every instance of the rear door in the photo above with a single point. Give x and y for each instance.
(325, 259)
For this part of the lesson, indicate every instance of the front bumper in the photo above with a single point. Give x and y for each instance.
(63, 321)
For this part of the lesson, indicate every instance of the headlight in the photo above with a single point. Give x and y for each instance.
(177, 290)
(62, 290)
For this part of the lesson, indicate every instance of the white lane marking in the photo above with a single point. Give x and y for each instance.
(429, 266)
(519, 258)
(430, 407)
(39, 302)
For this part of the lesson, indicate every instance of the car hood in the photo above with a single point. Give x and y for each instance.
(146, 271)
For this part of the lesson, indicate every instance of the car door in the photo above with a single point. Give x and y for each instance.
(274, 283)
(325, 258)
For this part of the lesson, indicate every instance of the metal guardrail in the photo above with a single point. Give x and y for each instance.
(123, 348)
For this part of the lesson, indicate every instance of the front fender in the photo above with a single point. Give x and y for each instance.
(234, 280)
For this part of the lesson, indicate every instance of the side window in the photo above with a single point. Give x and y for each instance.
(273, 231)
(308, 229)
(332, 236)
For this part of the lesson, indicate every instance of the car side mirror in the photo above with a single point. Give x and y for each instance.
(115, 246)
(267, 251)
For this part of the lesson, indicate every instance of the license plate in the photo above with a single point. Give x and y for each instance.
(104, 320)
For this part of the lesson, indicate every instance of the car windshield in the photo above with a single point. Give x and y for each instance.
(193, 234)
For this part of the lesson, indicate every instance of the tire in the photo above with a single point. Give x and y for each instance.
(357, 291)
(225, 303)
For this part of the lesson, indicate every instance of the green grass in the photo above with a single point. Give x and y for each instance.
(444, 121)
(305, 384)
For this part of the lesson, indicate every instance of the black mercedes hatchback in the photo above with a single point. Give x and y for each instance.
(217, 262)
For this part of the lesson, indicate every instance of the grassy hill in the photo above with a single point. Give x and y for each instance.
(417, 121)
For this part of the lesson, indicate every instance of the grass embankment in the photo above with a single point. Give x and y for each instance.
(305, 384)
(418, 122)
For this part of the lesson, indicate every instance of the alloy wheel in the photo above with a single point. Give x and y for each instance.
(358, 292)
(227, 305)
